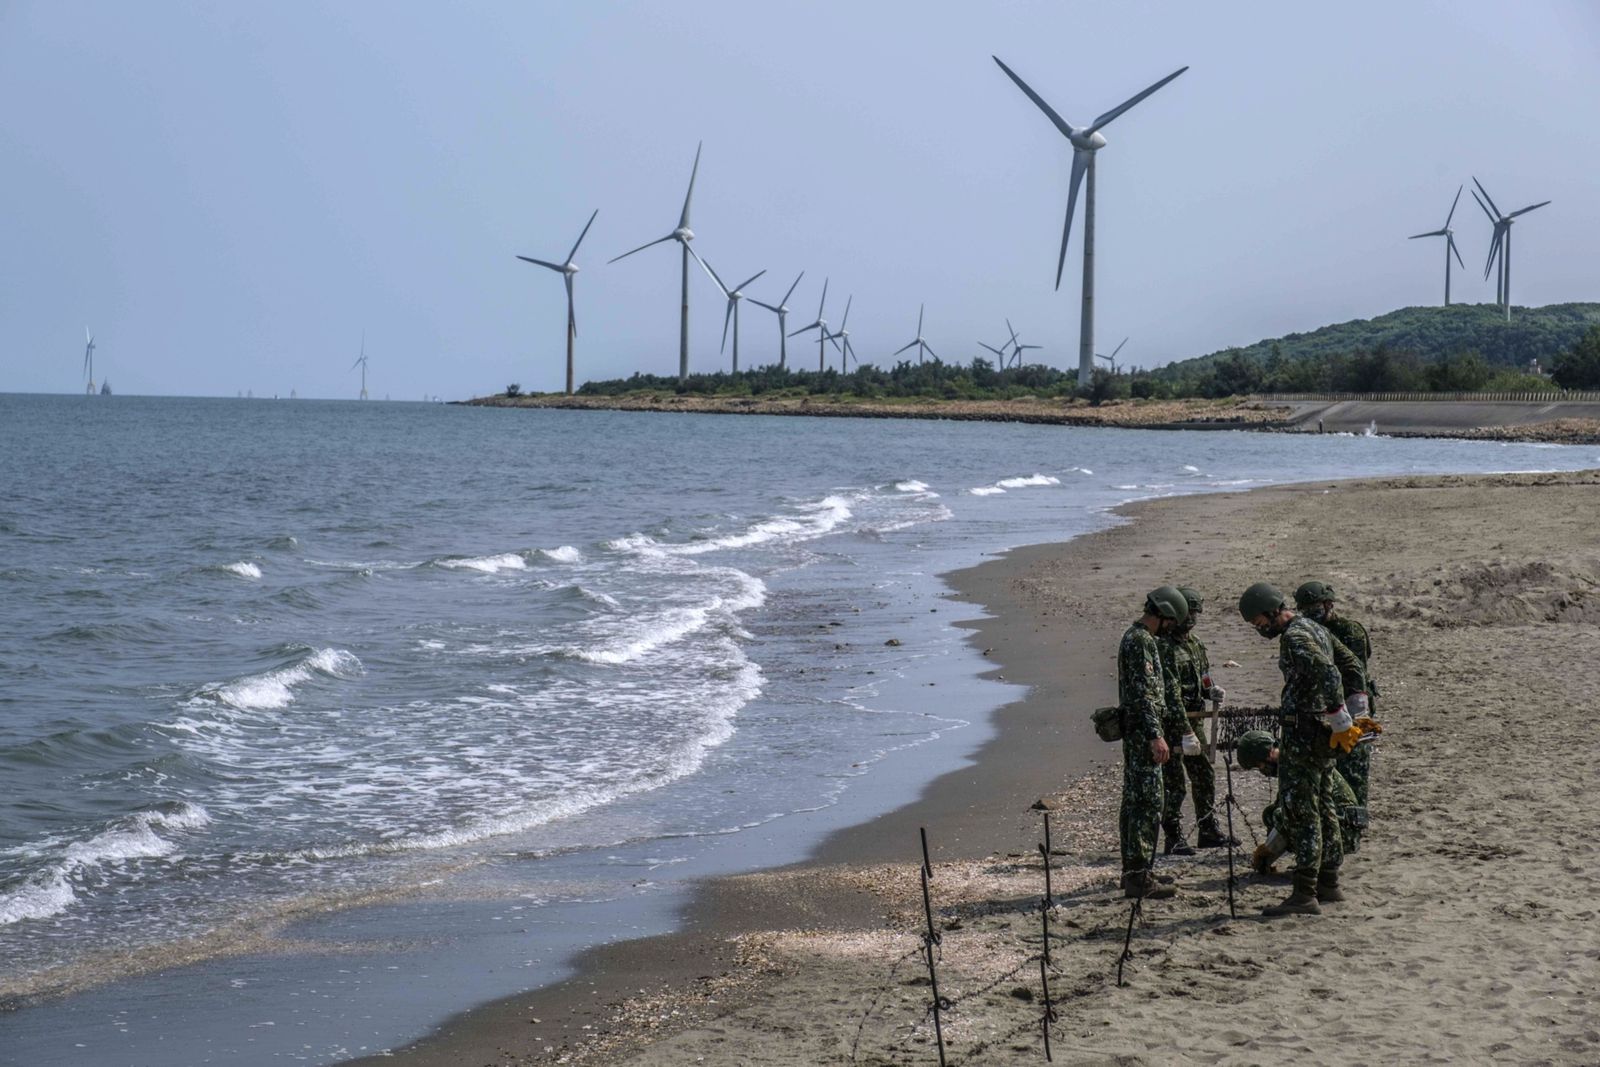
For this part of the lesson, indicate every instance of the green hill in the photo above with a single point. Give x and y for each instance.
(1430, 333)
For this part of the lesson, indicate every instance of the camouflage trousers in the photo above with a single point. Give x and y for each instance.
(1309, 809)
(1182, 774)
(1141, 805)
(1357, 768)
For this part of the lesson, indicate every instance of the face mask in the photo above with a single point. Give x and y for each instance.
(1317, 613)
(1270, 769)
(1269, 629)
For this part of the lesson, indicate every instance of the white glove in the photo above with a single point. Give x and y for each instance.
(1191, 745)
(1338, 720)
(1217, 693)
(1357, 703)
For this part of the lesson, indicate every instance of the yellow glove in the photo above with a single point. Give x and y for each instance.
(1345, 740)
(1261, 859)
(1369, 725)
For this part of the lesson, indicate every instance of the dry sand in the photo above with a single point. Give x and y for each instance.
(1472, 932)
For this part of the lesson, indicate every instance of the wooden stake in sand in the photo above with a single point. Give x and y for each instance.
(929, 940)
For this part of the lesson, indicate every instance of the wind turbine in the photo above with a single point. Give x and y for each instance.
(919, 344)
(1449, 243)
(683, 235)
(1501, 245)
(847, 352)
(88, 358)
(1112, 358)
(734, 295)
(821, 325)
(362, 363)
(567, 269)
(1017, 347)
(1086, 141)
(999, 352)
(782, 311)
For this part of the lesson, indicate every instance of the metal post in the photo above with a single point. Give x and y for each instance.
(1086, 317)
(1044, 851)
(929, 940)
(1127, 938)
(1049, 1009)
(1227, 762)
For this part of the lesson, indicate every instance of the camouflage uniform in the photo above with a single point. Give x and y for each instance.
(1193, 665)
(1344, 801)
(1312, 686)
(1142, 696)
(1356, 766)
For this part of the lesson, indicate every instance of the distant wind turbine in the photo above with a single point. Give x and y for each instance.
(683, 235)
(1112, 358)
(1000, 353)
(841, 340)
(88, 358)
(362, 363)
(1017, 347)
(820, 325)
(734, 296)
(782, 311)
(1086, 141)
(1501, 245)
(919, 344)
(1449, 243)
(567, 269)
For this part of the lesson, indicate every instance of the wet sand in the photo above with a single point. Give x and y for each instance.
(1468, 936)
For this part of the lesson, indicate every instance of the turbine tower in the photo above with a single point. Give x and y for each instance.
(734, 296)
(847, 352)
(782, 311)
(567, 269)
(1449, 243)
(820, 325)
(683, 235)
(919, 344)
(1112, 358)
(362, 363)
(1086, 141)
(1501, 245)
(88, 359)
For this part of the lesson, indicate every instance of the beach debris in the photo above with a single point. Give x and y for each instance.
(1230, 663)
(893, 642)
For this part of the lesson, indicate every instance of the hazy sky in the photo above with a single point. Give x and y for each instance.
(229, 194)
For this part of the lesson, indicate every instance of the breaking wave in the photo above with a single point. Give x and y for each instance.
(275, 688)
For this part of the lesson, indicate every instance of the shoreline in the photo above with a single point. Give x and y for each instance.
(734, 954)
(1574, 422)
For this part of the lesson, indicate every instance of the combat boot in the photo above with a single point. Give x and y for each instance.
(1328, 891)
(1175, 844)
(1211, 835)
(1141, 884)
(1302, 901)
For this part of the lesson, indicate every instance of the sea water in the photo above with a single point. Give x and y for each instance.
(285, 684)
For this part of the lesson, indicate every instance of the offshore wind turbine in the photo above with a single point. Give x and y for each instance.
(1086, 141)
(362, 363)
(734, 295)
(1449, 236)
(683, 235)
(846, 351)
(88, 359)
(919, 344)
(567, 269)
(1501, 245)
(782, 311)
(820, 325)
(1112, 358)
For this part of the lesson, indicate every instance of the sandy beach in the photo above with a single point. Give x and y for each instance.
(1468, 935)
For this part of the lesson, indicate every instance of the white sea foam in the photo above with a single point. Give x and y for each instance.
(244, 569)
(275, 689)
(505, 561)
(986, 490)
(563, 554)
(1032, 479)
(911, 485)
(645, 633)
(814, 520)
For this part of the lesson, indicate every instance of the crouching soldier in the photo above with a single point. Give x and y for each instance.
(1256, 751)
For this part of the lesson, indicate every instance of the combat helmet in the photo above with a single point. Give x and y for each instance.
(1263, 598)
(1312, 593)
(1168, 603)
(1192, 598)
(1253, 747)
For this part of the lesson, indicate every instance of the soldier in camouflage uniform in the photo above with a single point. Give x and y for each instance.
(1316, 727)
(1258, 751)
(1142, 698)
(1174, 728)
(1193, 668)
(1315, 601)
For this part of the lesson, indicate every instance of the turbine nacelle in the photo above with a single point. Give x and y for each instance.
(683, 233)
(1087, 140)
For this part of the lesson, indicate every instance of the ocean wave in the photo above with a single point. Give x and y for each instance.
(986, 490)
(563, 554)
(505, 561)
(275, 688)
(648, 632)
(815, 520)
(49, 891)
(243, 568)
(912, 485)
(1032, 479)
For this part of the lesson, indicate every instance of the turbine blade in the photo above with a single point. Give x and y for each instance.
(1453, 204)
(748, 280)
(727, 314)
(759, 303)
(543, 263)
(897, 351)
(581, 236)
(1456, 250)
(821, 303)
(993, 349)
(1114, 351)
(641, 248)
(806, 329)
(792, 288)
(920, 309)
(1080, 163)
(846, 318)
(1487, 197)
(931, 352)
(1061, 124)
(709, 270)
(1485, 207)
(1430, 233)
(683, 220)
(1524, 211)
(1013, 330)
(1494, 250)
(1126, 104)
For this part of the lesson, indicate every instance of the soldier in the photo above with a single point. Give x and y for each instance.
(1175, 730)
(1142, 697)
(1315, 601)
(1316, 728)
(1193, 668)
(1257, 751)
